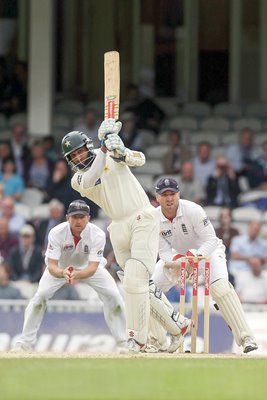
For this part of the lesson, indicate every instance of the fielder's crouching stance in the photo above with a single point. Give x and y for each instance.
(75, 252)
(184, 225)
(103, 175)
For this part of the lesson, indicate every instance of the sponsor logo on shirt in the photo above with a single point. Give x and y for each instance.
(68, 247)
(100, 252)
(86, 249)
(166, 233)
(206, 221)
(50, 247)
(184, 229)
(98, 182)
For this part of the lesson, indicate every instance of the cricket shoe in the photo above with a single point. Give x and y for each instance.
(178, 340)
(153, 346)
(21, 348)
(249, 345)
(132, 347)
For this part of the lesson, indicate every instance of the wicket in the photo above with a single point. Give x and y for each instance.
(195, 299)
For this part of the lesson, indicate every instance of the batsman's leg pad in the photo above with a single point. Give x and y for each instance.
(162, 310)
(229, 304)
(136, 295)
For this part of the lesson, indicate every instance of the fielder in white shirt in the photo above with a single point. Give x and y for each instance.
(184, 225)
(74, 252)
(103, 176)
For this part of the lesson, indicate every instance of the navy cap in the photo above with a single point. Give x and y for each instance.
(165, 184)
(78, 207)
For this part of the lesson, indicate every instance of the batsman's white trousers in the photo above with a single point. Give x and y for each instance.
(137, 237)
(218, 270)
(106, 288)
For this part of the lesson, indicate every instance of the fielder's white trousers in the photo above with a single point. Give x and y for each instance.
(106, 288)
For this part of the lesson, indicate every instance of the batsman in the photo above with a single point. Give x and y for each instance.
(184, 225)
(103, 176)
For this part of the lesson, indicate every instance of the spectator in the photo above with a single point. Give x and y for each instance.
(7, 291)
(58, 187)
(20, 149)
(5, 152)
(7, 240)
(222, 186)
(26, 260)
(39, 167)
(15, 220)
(203, 162)
(90, 125)
(57, 215)
(251, 285)
(129, 133)
(176, 153)
(262, 160)
(190, 186)
(241, 155)
(226, 232)
(50, 148)
(247, 251)
(12, 183)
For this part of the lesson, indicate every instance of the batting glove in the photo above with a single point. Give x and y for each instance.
(114, 142)
(108, 126)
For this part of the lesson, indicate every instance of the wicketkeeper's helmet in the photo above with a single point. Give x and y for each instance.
(73, 141)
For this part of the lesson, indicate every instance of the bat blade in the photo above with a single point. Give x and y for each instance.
(112, 84)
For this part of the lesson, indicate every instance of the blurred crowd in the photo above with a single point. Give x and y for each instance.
(208, 179)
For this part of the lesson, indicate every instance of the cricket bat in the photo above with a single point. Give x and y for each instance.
(112, 84)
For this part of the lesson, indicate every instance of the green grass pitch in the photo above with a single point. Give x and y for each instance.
(133, 378)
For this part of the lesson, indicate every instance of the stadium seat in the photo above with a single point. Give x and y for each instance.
(197, 109)
(156, 151)
(41, 211)
(252, 123)
(146, 180)
(212, 212)
(183, 123)
(3, 121)
(19, 118)
(152, 167)
(24, 210)
(212, 137)
(69, 107)
(229, 138)
(61, 121)
(32, 197)
(246, 214)
(258, 110)
(215, 123)
(169, 105)
(228, 110)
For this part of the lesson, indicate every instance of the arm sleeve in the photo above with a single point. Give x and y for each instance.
(88, 179)
(98, 245)
(53, 247)
(205, 232)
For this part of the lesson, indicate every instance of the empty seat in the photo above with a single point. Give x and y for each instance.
(169, 105)
(230, 110)
(246, 214)
(230, 138)
(24, 210)
(3, 121)
(212, 137)
(152, 167)
(256, 110)
(41, 211)
(32, 197)
(156, 151)
(19, 118)
(197, 109)
(61, 121)
(183, 123)
(215, 123)
(146, 180)
(252, 123)
(212, 212)
(69, 107)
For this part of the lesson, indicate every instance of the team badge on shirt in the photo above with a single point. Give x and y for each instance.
(184, 229)
(206, 221)
(79, 179)
(68, 247)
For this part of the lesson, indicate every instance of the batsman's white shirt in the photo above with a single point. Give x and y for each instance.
(190, 229)
(134, 231)
(61, 246)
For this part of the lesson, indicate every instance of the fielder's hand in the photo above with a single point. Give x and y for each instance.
(69, 274)
(108, 126)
